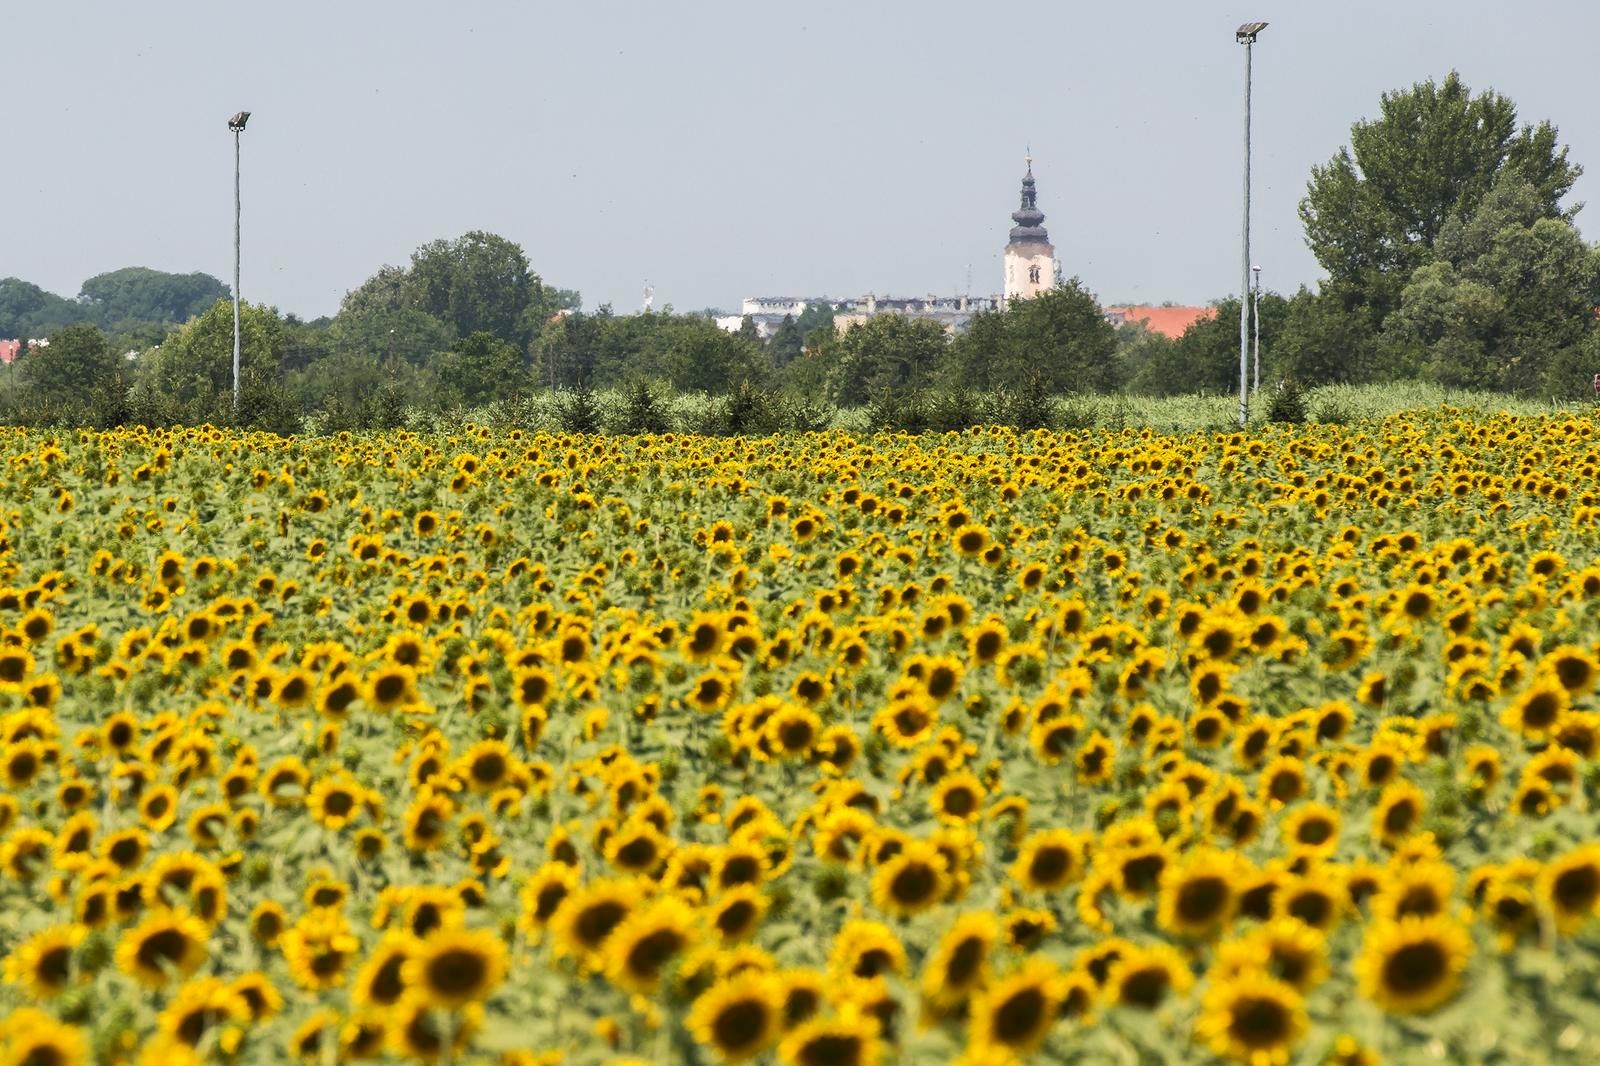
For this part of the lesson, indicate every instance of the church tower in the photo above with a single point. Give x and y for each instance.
(1030, 259)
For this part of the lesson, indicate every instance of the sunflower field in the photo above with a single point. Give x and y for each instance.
(500, 747)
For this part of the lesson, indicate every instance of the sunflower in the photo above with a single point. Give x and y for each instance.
(1414, 965)
(335, 801)
(740, 863)
(1197, 896)
(427, 909)
(864, 948)
(1014, 1013)
(200, 1006)
(267, 923)
(849, 1038)
(1538, 712)
(261, 997)
(167, 942)
(1284, 948)
(1144, 976)
(959, 965)
(1049, 860)
(1418, 889)
(544, 892)
(646, 942)
(1569, 887)
(318, 949)
(33, 1038)
(589, 915)
(487, 765)
(791, 731)
(638, 848)
(970, 540)
(1398, 812)
(391, 686)
(911, 881)
(1312, 830)
(420, 1032)
(738, 912)
(738, 1018)
(455, 967)
(42, 964)
(427, 820)
(1253, 1019)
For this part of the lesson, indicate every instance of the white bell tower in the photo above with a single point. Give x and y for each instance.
(1030, 258)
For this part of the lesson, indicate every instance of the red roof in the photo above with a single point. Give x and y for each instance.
(1167, 321)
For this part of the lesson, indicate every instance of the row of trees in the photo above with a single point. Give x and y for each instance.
(1450, 253)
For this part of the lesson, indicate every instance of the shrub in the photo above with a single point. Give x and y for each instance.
(642, 410)
(1287, 403)
(580, 411)
(957, 409)
(891, 411)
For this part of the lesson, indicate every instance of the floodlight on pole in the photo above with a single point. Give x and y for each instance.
(236, 125)
(1246, 35)
(1256, 314)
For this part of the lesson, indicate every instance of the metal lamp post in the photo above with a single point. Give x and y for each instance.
(1255, 305)
(1246, 35)
(236, 124)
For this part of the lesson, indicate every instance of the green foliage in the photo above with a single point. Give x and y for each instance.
(77, 363)
(1509, 298)
(748, 410)
(480, 367)
(642, 410)
(1374, 211)
(580, 410)
(477, 283)
(900, 411)
(193, 371)
(139, 294)
(265, 402)
(888, 353)
(1322, 342)
(27, 311)
(788, 340)
(1026, 407)
(1206, 357)
(1060, 334)
(1286, 402)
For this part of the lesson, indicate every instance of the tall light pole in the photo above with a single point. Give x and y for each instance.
(1256, 314)
(1246, 35)
(236, 124)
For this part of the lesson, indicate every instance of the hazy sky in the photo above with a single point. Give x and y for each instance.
(718, 149)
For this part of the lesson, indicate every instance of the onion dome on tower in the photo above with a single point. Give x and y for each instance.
(1030, 259)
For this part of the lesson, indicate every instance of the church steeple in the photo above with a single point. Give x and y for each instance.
(1030, 260)
(1029, 228)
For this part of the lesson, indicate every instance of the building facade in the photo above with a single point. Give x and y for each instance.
(1030, 259)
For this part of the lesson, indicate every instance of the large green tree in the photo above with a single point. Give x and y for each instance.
(480, 367)
(887, 353)
(1063, 336)
(1373, 212)
(478, 282)
(77, 364)
(139, 294)
(1507, 303)
(1205, 357)
(27, 311)
(194, 368)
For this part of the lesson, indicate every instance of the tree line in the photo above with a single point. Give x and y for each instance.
(1450, 251)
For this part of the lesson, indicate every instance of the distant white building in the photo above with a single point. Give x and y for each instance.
(1030, 258)
(768, 312)
(1030, 269)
